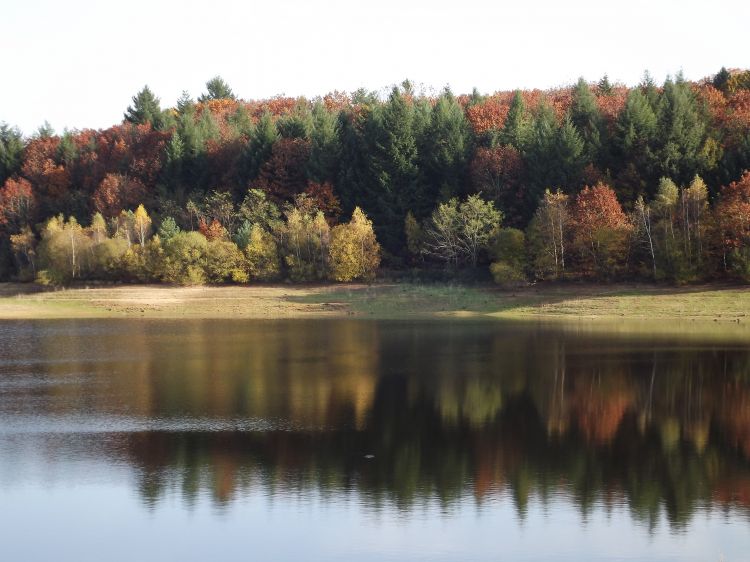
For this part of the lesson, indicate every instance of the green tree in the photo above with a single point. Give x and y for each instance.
(587, 119)
(460, 232)
(145, 109)
(634, 144)
(680, 132)
(517, 126)
(217, 89)
(11, 151)
(258, 150)
(445, 150)
(395, 187)
(168, 229)
(256, 208)
(325, 146)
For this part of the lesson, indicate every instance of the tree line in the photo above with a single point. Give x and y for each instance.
(596, 180)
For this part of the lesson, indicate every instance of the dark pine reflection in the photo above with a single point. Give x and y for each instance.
(490, 410)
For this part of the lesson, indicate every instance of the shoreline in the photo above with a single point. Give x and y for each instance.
(717, 304)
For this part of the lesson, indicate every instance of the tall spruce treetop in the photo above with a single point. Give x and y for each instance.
(585, 115)
(394, 167)
(721, 79)
(11, 151)
(185, 103)
(145, 109)
(634, 144)
(67, 151)
(604, 86)
(540, 156)
(325, 145)
(570, 153)
(444, 150)
(681, 131)
(258, 150)
(217, 89)
(45, 131)
(516, 128)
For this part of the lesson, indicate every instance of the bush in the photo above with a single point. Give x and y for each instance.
(506, 274)
(185, 259)
(224, 262)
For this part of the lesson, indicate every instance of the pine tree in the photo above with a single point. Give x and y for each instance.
(217, 89)
(145, 109)
(67, 151)
(570, 153)
(585, 115)
(633, 146)
(680, 133)
(260, 146)
(185, 103)
(325, 146)
(540, 154)
(394, 166)
(11, 151)
(516, 128)
(445, 149)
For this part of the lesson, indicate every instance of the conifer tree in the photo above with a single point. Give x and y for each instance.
(145, 109)
(217, 89)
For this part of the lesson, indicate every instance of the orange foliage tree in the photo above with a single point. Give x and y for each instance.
(117, 192)
(600, 231)
(732, 218)
(16, 204)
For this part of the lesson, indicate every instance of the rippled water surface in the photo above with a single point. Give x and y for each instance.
(364, 440)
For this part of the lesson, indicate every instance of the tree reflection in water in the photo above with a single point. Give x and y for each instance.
(493, 410)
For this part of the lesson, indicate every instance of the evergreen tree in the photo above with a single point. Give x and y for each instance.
(45, 131)
(145, 109)
(297, 125)
(185, 103)
(585, 115)
(325, 146)
(354, 178)
(634, 144)
(217, 89)
(539, 154)
(258, 150)
(67, 151)
(570, 154)
(604, 86)
(241, 122)
(516, 128)
(394, 167)
(721, 79)
(680, 132)
(445, 150)
(11, 151)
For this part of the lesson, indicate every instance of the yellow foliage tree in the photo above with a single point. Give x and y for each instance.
(262, 255)
(354, 250)
(141, 224)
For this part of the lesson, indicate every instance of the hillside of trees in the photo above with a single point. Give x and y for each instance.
(597, 181)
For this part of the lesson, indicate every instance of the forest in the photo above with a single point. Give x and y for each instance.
(595, 181)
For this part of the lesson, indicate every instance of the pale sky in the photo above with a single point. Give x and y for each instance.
(77, 63)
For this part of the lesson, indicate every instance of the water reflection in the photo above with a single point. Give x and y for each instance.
(448, 411)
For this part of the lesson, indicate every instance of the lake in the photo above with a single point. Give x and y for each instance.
(369, 440)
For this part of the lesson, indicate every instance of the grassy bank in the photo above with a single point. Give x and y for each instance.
(716, 304)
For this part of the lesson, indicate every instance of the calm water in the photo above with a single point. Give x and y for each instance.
(362, 440)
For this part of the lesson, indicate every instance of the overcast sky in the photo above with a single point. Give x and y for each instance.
(77, 63)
